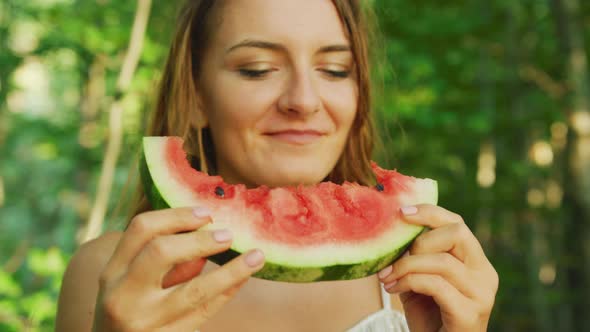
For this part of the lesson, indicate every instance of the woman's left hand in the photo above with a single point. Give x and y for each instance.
(446, 283)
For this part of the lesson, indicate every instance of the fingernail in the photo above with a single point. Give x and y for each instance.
(254, 258)
(222, 235)
(409, 210)
(201, 212)
(385, 272)
(390, 285)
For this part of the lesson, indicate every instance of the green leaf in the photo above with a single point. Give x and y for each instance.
(49, 263)
(8, 286)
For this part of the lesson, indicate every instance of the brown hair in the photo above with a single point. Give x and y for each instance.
(174, 113)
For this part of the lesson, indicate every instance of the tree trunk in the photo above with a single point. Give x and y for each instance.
(577, 189)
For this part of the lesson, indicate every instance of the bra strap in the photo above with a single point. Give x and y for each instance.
(385, 298)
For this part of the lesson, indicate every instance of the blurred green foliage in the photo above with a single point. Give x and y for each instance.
(473, 93)
(28, 298)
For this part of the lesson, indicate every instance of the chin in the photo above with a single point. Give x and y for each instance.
(306, 175)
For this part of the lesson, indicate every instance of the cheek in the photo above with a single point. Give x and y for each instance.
(234, 104)
(342, 102)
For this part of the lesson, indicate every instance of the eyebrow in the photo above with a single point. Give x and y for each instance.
(278, 47)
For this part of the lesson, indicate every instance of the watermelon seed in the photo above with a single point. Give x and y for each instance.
(219, 191)
(380, 187)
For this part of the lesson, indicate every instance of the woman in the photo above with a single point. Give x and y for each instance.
(271, 92)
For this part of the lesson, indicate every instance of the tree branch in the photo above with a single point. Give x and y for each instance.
(542, 79)
(97, 214)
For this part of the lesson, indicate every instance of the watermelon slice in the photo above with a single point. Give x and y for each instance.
(322, 232)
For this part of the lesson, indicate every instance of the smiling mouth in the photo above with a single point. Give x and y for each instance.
(296, 137)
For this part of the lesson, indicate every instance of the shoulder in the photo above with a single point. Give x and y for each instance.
(98, 250)
(91, 258)
(80, 283)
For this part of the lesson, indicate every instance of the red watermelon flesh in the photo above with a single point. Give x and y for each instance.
(308, 233)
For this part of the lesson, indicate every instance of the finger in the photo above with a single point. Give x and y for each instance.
(146, 226)
(162, 253)
(448, 298)
(441, 264)
(457, 239)
(194, 293)
(432, 216)
(183, 272)
(196, 318)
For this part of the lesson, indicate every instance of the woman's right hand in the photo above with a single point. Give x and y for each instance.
(132, 296)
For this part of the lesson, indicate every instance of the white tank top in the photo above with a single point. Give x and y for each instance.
(385, 320)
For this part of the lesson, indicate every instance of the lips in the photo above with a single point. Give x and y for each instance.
(297, 137)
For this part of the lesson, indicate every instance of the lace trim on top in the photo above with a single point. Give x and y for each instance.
(384, 320)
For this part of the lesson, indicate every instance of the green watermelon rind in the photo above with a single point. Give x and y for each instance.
(284, 272)
(287, 273)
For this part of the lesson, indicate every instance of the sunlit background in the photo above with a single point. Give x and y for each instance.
(489, 97)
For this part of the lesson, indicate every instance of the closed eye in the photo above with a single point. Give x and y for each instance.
(261, 73)
(336, 73)
(252, 73)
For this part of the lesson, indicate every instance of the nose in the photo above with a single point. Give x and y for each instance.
(300, 96)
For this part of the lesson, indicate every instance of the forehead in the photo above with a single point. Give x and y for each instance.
(289, 21)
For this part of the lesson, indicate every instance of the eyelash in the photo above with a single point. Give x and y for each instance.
(337, 73)
(257, 74)
(251, 73)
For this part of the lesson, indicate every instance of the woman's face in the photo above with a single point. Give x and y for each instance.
(278, 91)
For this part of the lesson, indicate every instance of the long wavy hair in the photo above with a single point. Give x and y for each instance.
(174, 113)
